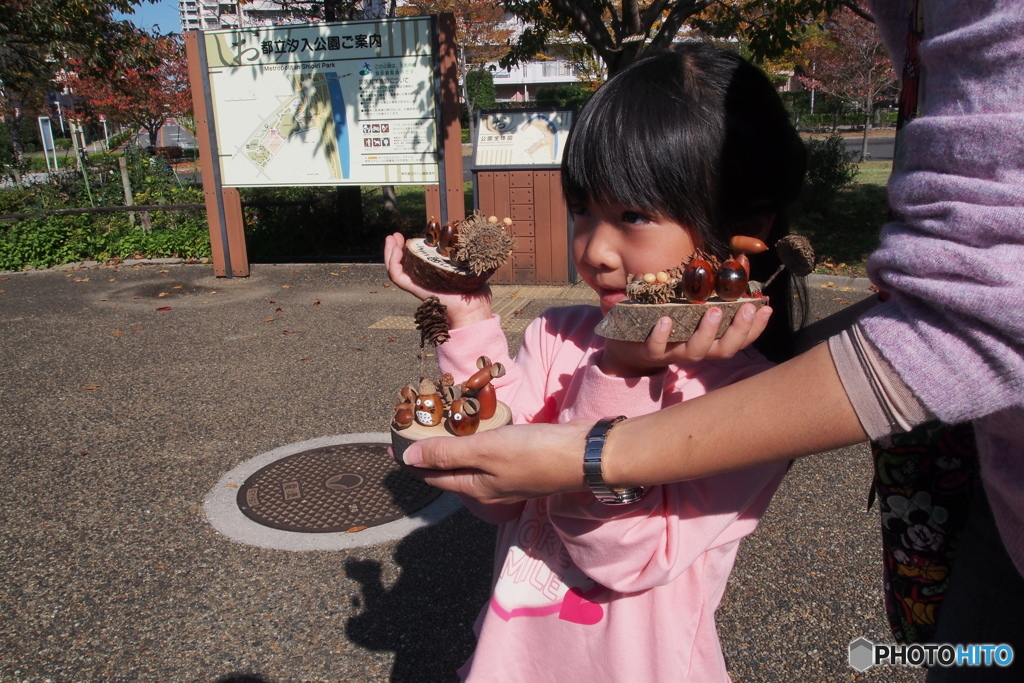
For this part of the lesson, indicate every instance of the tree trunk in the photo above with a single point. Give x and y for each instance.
(17, 147)
(390, 200)
(864, 138)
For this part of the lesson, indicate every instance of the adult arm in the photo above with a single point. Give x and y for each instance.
(797, 408)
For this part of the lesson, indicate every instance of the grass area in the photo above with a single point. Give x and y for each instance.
(847, 231)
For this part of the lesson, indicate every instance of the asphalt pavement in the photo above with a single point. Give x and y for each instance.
(129, 390)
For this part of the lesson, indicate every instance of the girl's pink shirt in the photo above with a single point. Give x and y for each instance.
(585, 591)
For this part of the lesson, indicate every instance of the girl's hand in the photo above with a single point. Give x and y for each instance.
(631, 359)
(463, 309)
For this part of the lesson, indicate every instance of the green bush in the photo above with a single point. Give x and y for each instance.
(830, 168)
(573, 95)
(43, 241)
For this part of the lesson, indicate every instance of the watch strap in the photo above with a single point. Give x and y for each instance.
(592, 454)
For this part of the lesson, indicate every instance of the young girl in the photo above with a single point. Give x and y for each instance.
(678, 152)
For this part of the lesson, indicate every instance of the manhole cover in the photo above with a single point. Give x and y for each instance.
(331, 489)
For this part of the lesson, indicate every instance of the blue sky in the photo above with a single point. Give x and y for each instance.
(164, 13)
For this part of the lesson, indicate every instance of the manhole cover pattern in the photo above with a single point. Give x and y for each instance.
(331, 489)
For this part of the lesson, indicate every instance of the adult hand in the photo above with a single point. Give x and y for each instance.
(504, 465)
(634, 358)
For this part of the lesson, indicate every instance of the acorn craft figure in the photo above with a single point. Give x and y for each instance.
(686, 291)
(445, 408)
(459, 256)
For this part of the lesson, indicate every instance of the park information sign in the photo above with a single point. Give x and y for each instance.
(353, 103)
(520, 137)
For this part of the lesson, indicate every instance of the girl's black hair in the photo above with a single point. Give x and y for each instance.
(701, 136)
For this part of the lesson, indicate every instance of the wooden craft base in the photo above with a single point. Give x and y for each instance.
(403, 438)
(633, 321)
(435, 272)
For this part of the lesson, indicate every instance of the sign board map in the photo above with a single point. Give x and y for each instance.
(325, 104)
(521, 137)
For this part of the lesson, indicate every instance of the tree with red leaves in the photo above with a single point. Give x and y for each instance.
(849, 62)
(141, 97)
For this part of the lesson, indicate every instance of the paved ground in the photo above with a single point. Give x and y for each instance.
(129, 391)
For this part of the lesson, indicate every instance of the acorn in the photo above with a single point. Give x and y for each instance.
(428, 406)
(449, 236)
(698, 279)
(463, 417)
(432, 233)
(731, 280)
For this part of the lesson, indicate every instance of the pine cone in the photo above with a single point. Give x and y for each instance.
(796, 253)
(432, 322)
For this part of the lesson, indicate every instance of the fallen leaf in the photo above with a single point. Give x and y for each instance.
(293, 331)
(315, 303)
(269, 320)
(356, 529)
(90, 387)
(334, 274)
(304, 358)
(286, 286)
(373, 291)
(113, 279)
(118, 332)
(81, 279)
(213, 292)
(362, 336)
(176, 287)
(162, 294)
(164, 308)
(231, 486)
(391, 339)
(278, 310)
(271, 301)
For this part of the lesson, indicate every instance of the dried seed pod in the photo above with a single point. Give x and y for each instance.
(650, 292)
(482, 246)
(431, 320)
(796, 253)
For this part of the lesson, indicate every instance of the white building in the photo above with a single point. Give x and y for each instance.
(214, 14)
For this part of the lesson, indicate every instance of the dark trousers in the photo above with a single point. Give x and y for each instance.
(984, 602)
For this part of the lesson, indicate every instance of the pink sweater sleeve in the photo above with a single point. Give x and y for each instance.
(636, 547)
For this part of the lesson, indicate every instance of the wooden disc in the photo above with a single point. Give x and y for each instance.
(402, 438)
(633, 321)
(429, 269)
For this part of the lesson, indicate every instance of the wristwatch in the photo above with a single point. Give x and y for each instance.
(592, 466)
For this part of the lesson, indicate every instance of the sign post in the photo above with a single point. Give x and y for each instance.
(338, 104)
(46, 135)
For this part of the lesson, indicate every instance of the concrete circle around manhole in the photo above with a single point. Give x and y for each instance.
(330, 493)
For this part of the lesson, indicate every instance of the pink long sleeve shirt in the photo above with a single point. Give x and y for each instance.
(589, 592)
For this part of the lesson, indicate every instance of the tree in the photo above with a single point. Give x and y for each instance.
(37, 37)
(482, 34)
(849, 62)
(140, 97)
(618, 31)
